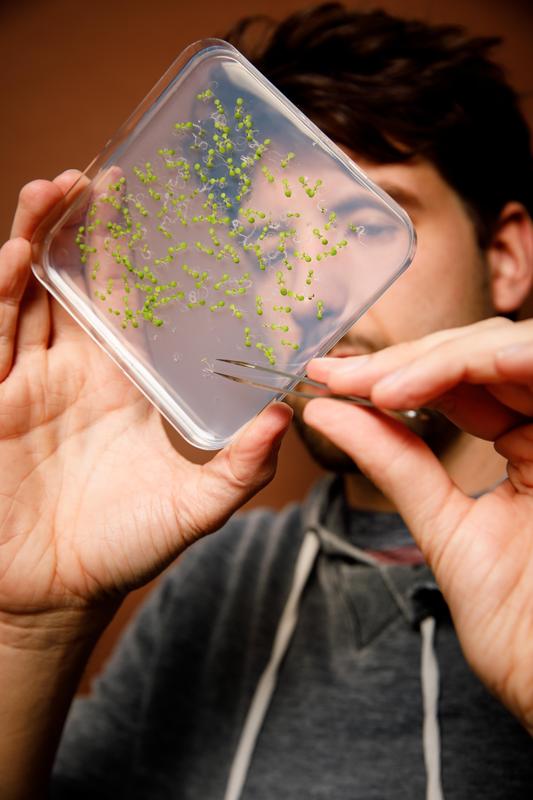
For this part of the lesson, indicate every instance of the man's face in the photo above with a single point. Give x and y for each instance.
(447, 285)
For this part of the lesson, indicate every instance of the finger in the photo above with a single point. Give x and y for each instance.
(515, 361)
(244, 467)
(513, 395)
(97, 238)
(33, 331)
(358, 374)
(37, 201)
(443, 361)
(477, 411)
(430, 373)
(70, 178)
(517, 447)
(73, 240)
(400, 465)
(107, 240)
(15, 259)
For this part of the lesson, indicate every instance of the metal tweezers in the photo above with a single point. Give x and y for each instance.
(421, 414)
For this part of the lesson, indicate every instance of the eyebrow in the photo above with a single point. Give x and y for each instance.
(403, 196)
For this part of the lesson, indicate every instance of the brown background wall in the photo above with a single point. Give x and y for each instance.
(70, 73)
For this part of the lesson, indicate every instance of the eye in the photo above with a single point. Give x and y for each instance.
(385, 231)
(272, 245)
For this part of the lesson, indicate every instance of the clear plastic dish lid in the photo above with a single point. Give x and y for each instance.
(219, 223)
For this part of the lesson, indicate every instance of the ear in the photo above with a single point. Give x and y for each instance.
(510, 258)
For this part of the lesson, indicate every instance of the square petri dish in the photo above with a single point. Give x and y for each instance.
(219, 222)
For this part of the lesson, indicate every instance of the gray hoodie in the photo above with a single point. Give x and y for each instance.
(279, 659)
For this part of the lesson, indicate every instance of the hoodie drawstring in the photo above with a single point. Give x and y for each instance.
(267, 682)
(429, 674)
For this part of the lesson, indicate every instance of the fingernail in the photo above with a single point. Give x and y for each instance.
(346, 366)
(322, 363)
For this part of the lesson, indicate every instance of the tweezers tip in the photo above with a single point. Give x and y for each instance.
(232, 361)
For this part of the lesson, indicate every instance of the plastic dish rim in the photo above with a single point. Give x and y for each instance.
(132, 368)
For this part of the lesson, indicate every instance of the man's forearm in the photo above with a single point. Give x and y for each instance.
(41, 661)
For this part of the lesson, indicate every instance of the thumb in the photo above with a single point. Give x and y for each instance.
(246, 465)
(252, 456)
(400, 464)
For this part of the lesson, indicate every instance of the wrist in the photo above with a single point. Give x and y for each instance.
(54, 629)
(42, 657)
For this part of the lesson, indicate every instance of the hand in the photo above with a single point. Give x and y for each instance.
(95, 500)
(481, 551)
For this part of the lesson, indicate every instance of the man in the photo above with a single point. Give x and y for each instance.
(296, 654)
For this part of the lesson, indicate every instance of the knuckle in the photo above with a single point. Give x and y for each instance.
(31, 191)
(520, 472)
(12, 246)
(246, 478)
(14, 265)
(72, 174)
(498, 321)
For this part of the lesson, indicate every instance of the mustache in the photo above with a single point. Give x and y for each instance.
(356, 345)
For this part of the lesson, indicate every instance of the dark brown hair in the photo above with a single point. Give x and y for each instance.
(392, 89)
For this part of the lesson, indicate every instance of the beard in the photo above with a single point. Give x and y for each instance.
(436, 431)
(433, 428)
